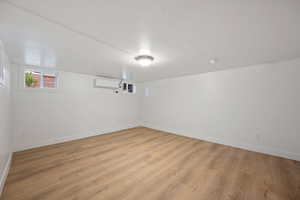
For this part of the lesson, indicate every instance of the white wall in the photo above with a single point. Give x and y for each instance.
(5, 125)
(75, 110)
(256, 108)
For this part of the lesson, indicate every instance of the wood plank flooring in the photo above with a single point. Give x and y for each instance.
(145, 164)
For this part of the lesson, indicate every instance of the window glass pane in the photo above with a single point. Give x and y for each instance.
(32, 79)
(49, 81)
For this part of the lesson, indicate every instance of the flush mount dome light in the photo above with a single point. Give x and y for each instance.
(144, 60)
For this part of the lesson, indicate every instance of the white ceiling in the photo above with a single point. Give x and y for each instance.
(103, 37)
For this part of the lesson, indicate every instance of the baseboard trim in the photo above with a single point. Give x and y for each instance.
(249, 147)
(5, 173)
(68, 138)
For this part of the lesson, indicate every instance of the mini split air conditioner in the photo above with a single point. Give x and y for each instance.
(118, 85)
(107, 83)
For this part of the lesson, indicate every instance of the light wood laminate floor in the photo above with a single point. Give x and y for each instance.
(145, 164)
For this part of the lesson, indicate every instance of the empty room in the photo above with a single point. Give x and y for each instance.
(150, 100)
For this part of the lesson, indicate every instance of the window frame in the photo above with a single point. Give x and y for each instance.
(42, 73)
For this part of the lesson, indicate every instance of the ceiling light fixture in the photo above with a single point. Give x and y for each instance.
(144, 59)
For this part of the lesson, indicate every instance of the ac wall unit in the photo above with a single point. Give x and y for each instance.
(107, 83)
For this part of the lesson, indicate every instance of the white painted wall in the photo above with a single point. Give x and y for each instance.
(74, 110)
(5, 125)
(256, 108)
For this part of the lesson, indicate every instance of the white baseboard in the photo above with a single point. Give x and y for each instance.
(251, 147)
(5, 173)
(257, 148)
(22, 147)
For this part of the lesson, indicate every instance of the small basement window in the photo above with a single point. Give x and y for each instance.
(38, 79)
